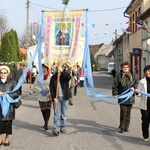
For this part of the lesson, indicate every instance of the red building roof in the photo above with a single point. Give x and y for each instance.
(23, 50)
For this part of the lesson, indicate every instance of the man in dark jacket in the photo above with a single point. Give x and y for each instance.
(60, 94)
(125, 80)
(17, 73)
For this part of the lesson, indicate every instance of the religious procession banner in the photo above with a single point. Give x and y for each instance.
(62, 37)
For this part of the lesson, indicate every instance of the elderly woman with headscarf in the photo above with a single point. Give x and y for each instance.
(124, 81)
(7, 84)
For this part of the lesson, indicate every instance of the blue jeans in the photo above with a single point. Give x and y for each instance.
(61, 115)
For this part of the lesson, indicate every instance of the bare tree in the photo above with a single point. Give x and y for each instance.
(33, 35)
(22, 39)
(3, 23)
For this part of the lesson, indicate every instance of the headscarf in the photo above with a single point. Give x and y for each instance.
(6, 68)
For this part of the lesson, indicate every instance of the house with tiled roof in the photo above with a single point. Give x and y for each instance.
(93, 51)
(105, 55)
(23, 53)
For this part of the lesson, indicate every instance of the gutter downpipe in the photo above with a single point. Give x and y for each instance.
(127, 16)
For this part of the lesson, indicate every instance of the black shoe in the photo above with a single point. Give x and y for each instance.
(6, 144)
(63, 131)
(55, 133)
(1, 143)
(45, 127)
(126, 130)
(121, 130)
(70, 103)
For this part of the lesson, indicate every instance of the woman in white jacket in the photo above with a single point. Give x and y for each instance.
(144, 85)
(44, 96)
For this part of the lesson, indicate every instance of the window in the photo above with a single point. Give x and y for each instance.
(133, 23)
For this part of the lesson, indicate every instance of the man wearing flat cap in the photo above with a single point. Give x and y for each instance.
(17, 73)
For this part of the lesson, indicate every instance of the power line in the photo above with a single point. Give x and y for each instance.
(107, 9)
(101, 37)
(43, 6)
(89, 10)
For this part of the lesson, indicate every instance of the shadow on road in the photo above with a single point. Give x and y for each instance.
(108, 132)
(18, 124)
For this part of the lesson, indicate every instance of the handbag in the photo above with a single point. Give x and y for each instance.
(18, 104)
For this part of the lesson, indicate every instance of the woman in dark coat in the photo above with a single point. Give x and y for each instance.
(125, 80)
(7, 84)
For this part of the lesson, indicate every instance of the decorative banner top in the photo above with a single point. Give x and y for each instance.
(62, 36)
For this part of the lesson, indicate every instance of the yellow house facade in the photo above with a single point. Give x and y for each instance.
(132, 12)
(145, 18)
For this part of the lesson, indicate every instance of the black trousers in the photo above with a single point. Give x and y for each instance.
(145, 123)
(6, 127)
(75, 90)
(125, 115)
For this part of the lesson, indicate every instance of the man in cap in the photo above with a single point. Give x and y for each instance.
(17, 73)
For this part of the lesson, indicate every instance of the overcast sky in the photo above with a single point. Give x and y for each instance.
(107, 15)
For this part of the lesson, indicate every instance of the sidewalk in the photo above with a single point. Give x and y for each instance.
(27, 89)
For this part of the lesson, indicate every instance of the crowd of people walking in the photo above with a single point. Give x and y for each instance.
(58, 90)
(52, 91)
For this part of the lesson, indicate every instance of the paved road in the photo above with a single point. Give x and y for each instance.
(91, 124)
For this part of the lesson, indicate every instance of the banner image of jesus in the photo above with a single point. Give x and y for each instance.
(62, 34)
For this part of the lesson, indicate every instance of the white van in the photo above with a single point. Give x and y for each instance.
(110, 67)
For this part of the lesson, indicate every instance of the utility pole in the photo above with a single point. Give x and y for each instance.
(115, 34)
(27, 24)
(27, 32)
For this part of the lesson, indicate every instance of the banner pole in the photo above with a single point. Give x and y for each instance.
(57, 90)
(58, 77)
(61, 10)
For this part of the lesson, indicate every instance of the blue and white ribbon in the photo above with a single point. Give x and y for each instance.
(87, 67)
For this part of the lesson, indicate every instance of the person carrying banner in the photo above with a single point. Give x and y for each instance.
(44, 99)
(123, 81)
(7, 84)
(60, 92)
